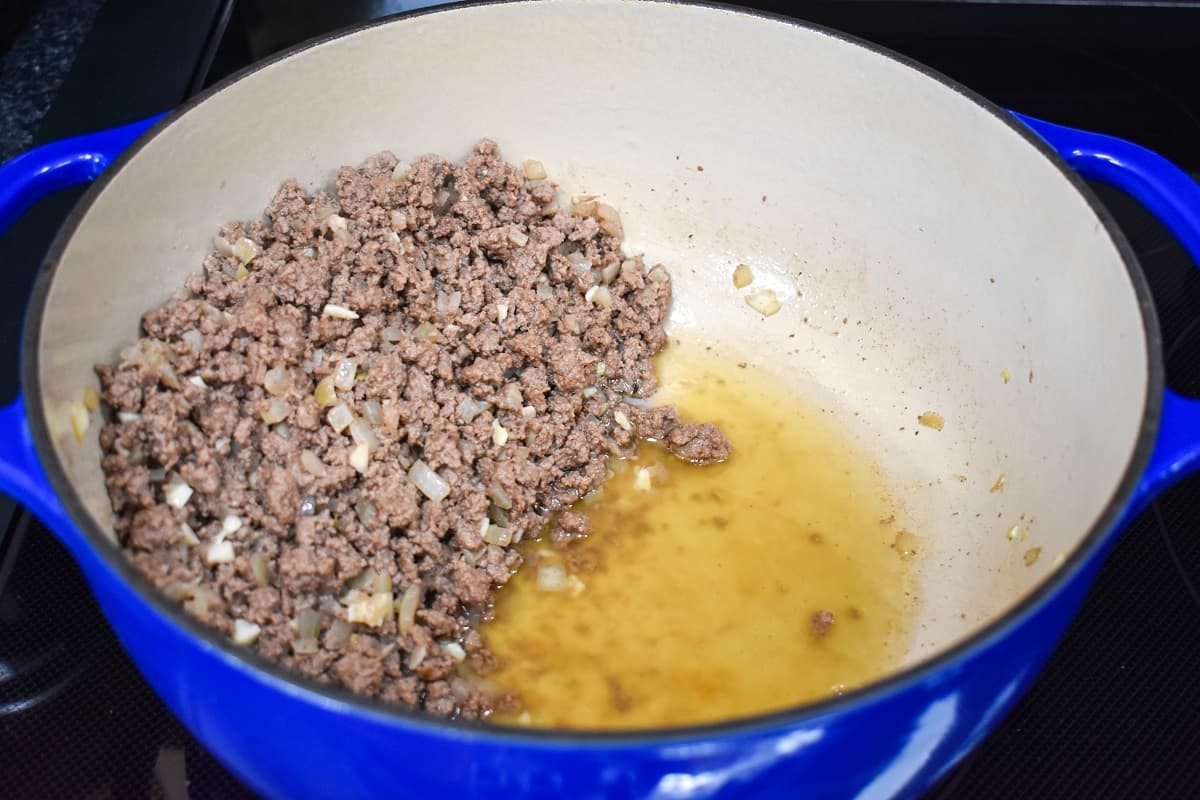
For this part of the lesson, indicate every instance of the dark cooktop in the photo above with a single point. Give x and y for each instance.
(1117, 711)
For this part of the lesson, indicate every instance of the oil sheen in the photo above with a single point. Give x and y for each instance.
(693, 598)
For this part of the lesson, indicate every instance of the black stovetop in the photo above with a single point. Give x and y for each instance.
(1117, 711)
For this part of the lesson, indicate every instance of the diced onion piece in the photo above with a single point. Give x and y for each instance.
(312, 463)
(599, 296)
(764, 302)
(551, 208)
(245, 250)
(80, 419)
(498, 496)
(575, 586)
(339, 226)
(276, 411)
(230, 524)
(659, 274)
(583, 206)
(373, 411)
(429, 482)
(517, 236)
(189, 536)
(222, 246)
(528, 412)
(338, 635)
(551, 578)
(416, 656)
(399, 220)
(196, 380)
(325, 394)
(308, 623)
(340, 417)
(610, 272)
(501, 537)
(544, 291)
(641, 479)
(499, 433)
(244, 632)
(742, 276)
(609, 219)
(304, 647)
(363, 579)
(219, 552)
(242, 273)
(177, 492)
(579, 260)
(501, 312)
(360, 458)
(469, 408)
(276, 380)
(454, 650)
(371, 610)
(343, 374)
(534, 170)
(338, 312)
(622, 419)
(401, 171)
(126, 417)
(259, 569)
(932, 419)
(391, 334)
(366, 511)
(194, 340)
(427, 331)
(406, 609)
(362, 433)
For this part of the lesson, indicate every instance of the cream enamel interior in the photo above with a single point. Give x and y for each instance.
(919, 245)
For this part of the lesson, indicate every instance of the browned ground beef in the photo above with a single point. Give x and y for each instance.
(494, 341)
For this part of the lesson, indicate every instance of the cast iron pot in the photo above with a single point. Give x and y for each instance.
(861, 186)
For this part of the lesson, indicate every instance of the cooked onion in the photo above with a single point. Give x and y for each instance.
(622, 419)
(469, 408)
(343, 374)
(581, 262)
(325, 393)
(659, 274)
(177, 492)
(416, 657)
(222, 246)
(189, 536)
(426, 330)
(366, 512)
(501, 537)
(401, 171)
(245, 250)
(219, 552)
(360, 458)
(551, 578)
(610, 272)
(528, 412)
(517, 236)
(498, 496)
(194, 339)
(499, 433)
(406, 609)
(763, 301)
(258, 568)
(308, 624)
(304, 647)
(276, 411)
(276, 380)
(742, 276)
(362, 433)
(338, 312)
(429, 482)
(230, 524)
(373, 411)
(338, 634)
(454, 650)
(609, 219)
(392, 334)
(340, 417)
(534, 170)
(501, 312)
(196, 380)
(245, 632)
(599, 296)
(312, 463)
(127, 417)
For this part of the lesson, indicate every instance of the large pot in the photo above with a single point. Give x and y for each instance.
(950, 227)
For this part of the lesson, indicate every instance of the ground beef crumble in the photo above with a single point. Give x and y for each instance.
(472, 331)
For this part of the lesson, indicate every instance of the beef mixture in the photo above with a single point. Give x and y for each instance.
(327, 446)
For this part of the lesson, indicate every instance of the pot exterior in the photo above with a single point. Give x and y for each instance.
(287, 742)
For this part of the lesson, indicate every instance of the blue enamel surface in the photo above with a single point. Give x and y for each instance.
(288, 741)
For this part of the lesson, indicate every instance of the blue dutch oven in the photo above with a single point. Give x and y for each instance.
(976, 212)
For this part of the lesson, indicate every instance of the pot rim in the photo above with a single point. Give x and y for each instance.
(395, 715)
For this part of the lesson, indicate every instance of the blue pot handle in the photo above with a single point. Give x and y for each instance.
(1174, 198)
(23, 181)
